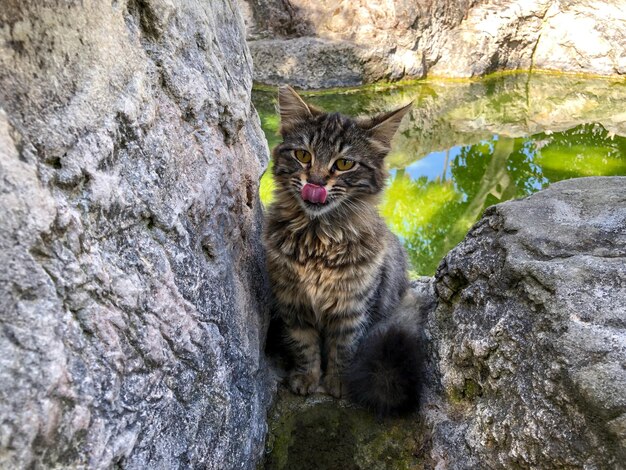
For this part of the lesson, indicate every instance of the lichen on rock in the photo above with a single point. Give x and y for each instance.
(318, 432)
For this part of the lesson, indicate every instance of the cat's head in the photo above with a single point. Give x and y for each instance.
(327, 160)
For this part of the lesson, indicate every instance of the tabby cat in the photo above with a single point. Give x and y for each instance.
(338, 274)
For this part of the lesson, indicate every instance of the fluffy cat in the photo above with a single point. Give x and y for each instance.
(338, 274)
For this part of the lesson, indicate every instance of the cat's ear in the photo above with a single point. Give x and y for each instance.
(292, 108)
(383, 127)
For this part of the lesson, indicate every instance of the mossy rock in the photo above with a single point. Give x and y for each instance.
(320, 433)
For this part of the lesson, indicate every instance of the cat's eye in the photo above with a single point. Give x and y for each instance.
(302, 155)
(344, 164)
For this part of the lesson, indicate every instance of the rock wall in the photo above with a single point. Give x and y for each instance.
(132, 291)
(324, 44)
(583, 36)
(525, 329)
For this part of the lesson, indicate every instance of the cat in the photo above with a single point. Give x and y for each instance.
(338, 274)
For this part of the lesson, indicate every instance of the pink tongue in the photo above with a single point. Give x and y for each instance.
(314, 193)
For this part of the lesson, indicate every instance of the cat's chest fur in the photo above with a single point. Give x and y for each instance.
(323, 269)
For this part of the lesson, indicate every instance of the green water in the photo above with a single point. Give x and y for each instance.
(469, 145)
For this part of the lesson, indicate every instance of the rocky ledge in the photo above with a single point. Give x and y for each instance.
(322, 44)
(526, 349)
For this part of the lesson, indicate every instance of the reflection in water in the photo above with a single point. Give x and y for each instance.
(467, 146)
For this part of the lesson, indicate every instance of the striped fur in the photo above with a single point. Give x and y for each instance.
(336, 270)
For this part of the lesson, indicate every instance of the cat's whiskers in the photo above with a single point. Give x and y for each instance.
(358, 208)
(297, 183)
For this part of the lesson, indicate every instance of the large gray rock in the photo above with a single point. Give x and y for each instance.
(529, 336)
(526, 350)
(319, 44)
(132, 290)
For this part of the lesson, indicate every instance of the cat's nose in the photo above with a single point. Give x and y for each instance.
(317, 180)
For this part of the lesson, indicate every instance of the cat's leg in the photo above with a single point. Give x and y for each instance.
(341, 335)
(304, 344)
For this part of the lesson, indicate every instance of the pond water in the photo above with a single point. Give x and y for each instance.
(468, 145)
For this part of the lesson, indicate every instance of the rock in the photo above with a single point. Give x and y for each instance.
(318, 432)
(570, 36)
(132, 288)
(530, 332)
(308, 62)
(375, 40)
(526, 345)
(310, 43)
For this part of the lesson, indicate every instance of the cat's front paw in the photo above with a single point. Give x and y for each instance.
(303, 383)
(333, 385)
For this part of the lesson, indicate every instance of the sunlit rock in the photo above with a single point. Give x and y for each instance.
(350, 43)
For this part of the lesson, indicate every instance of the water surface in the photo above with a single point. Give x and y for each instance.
(468, 145)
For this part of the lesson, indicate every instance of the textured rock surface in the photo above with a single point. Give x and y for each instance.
(132, 294)
(526, 349)
(304, 42)
(530, 332)
(322, 43)
(565, 35)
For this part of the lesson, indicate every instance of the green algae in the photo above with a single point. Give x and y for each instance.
(467, 393)
(320, 433)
